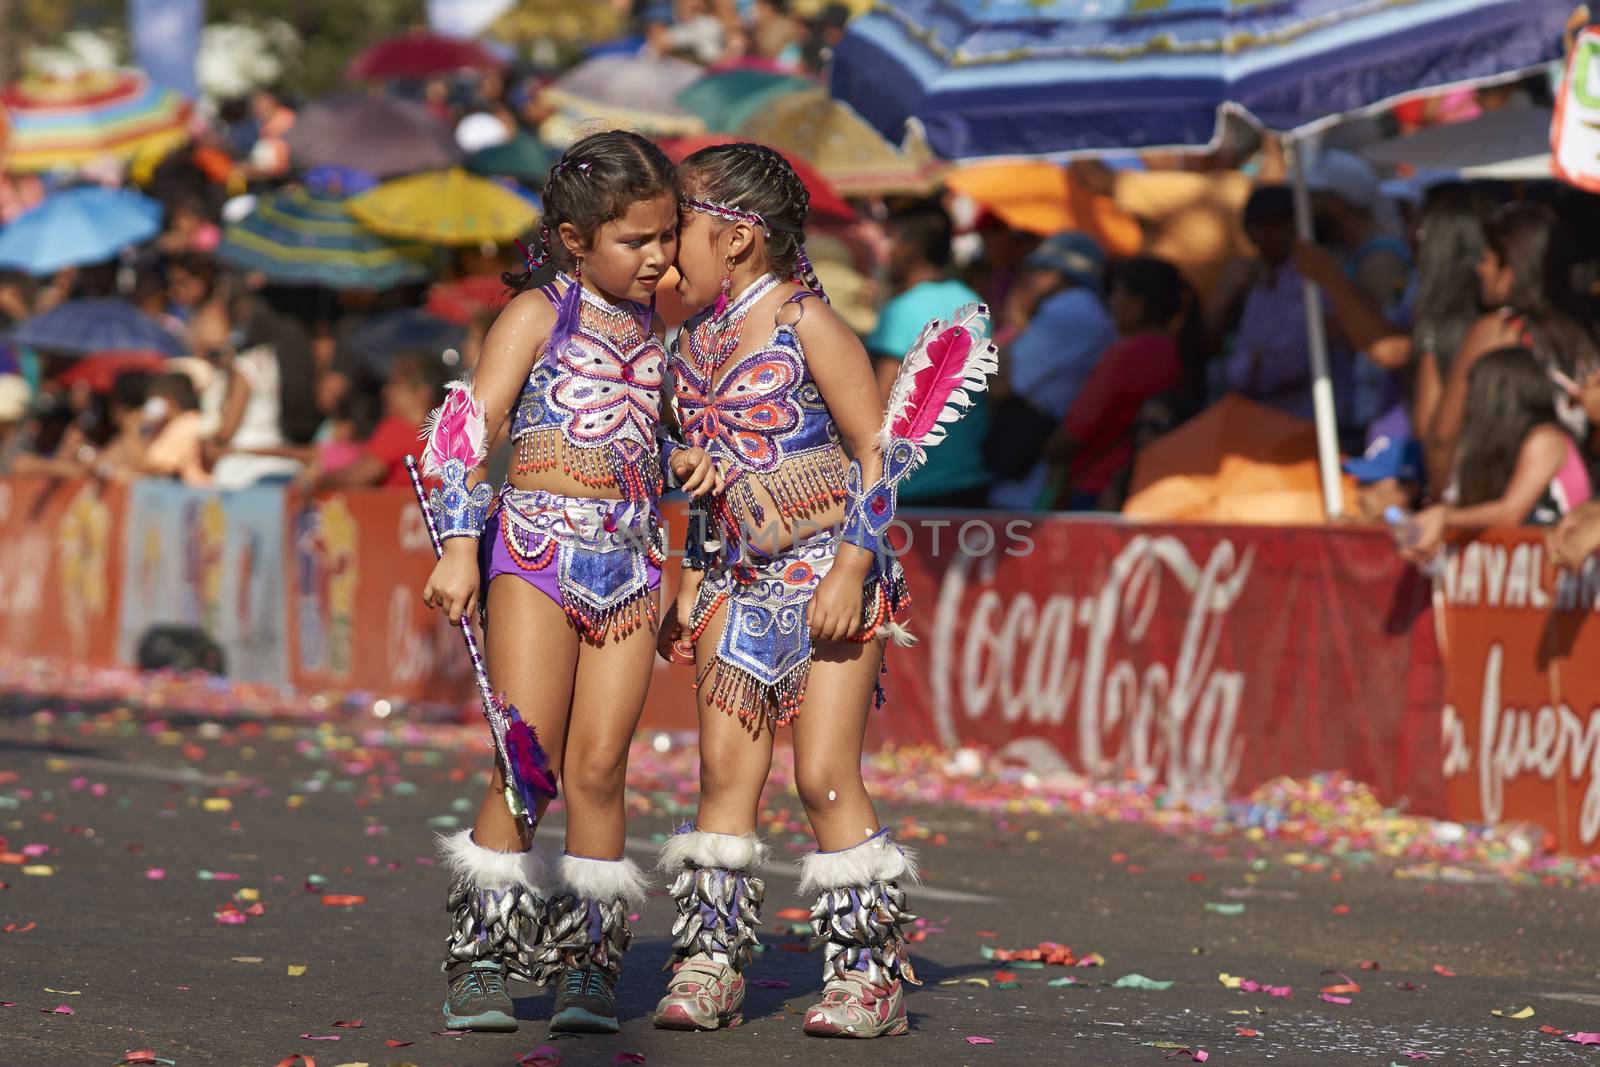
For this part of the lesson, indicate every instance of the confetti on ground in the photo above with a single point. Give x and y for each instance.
(1513, 1013)
(974, 1039)
(543, 1056)
(1139, 981)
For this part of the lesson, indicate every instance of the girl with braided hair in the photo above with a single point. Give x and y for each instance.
(790, 590)
(566, 561)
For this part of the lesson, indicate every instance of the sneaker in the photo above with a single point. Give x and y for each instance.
(478, 999)
(586, 1003)
(703, 995)
(853, 1007)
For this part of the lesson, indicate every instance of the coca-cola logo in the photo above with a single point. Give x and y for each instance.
(1041, 657)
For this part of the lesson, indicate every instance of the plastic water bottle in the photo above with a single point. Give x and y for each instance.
(1407, 533)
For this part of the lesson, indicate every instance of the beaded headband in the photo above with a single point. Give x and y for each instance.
(734, 214)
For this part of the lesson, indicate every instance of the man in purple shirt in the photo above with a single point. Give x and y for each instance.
(1271, 357)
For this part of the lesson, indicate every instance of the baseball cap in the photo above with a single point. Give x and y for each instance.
(1347, 176)
(1388, 457)
(1073, 254)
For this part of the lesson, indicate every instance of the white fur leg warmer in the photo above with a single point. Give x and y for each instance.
(704, 850)
(877, 859)
(601, 880)
(487, 868)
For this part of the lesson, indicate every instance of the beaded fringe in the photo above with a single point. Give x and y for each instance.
(544, 450)
(737, 691)
(619, 620)
(807, 484)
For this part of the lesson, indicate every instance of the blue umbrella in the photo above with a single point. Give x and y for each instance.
(1039, 77)
(102, 324)
(78, 226)
(385, 335)
(1035, 77)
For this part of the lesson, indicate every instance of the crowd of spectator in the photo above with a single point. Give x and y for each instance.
(1460, 320)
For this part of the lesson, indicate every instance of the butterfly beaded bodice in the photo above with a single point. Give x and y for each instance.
(593, 408)
(760, 414)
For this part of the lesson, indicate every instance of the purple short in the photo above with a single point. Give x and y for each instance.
(578, 552)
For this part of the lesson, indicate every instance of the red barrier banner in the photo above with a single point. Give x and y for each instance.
(1521, 722)
(1201, 657)
(61, 567)
(358, 562)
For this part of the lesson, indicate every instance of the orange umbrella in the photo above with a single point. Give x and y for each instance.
(1237, 461)
(1044, 198)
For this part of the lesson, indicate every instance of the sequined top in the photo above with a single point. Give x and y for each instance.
(763, 418)
(594, 408)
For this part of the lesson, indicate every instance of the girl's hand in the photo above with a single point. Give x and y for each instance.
(696, 472)
(1575, 537)
(1431, 525)
(836, 607)
(453, 585)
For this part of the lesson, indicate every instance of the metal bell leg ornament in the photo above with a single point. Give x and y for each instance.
(497, 905)
(858, 922)
(718, 898)
(585, 938)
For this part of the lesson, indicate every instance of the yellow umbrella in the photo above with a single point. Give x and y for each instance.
(839, 143)
(447, 207)
(561, 21)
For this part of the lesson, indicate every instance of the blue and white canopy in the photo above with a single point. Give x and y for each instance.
(1053, 77)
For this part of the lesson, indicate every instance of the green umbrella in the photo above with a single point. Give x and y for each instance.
(724, 101)
(524, 158)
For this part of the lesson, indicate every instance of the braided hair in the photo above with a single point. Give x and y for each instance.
(759, 180)
(596, 181)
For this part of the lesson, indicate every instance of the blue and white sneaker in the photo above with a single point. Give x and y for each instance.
(478, 999)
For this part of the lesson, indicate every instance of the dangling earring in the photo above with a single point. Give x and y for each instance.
(577, 270)
(727, 287)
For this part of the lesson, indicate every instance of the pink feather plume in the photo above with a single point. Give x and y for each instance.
(454, 430)
(938, 378)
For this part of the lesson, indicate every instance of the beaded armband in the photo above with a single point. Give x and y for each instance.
(460, 511)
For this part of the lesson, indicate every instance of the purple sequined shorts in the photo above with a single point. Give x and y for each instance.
(600, 560)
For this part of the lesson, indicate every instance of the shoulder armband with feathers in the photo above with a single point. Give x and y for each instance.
(939, 380)
(453, 446)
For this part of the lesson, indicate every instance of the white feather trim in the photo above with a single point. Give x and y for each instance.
(898, 633)
(732, 852)
(488, 868)
(473, 427)
(877, 859)
(601, 879)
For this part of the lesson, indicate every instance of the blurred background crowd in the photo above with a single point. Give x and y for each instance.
(275, 281)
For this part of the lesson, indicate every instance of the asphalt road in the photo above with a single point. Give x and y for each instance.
(292, 818)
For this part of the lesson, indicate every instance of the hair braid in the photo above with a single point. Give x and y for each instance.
(758, 179)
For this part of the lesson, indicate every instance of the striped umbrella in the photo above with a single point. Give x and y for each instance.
(1032, 77)
(99, 324)
(447, 207)
(61, 123)
(78, 226)
(295, 238)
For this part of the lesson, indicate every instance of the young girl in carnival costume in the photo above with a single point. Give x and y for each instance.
(790, 589)
(566, 559)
